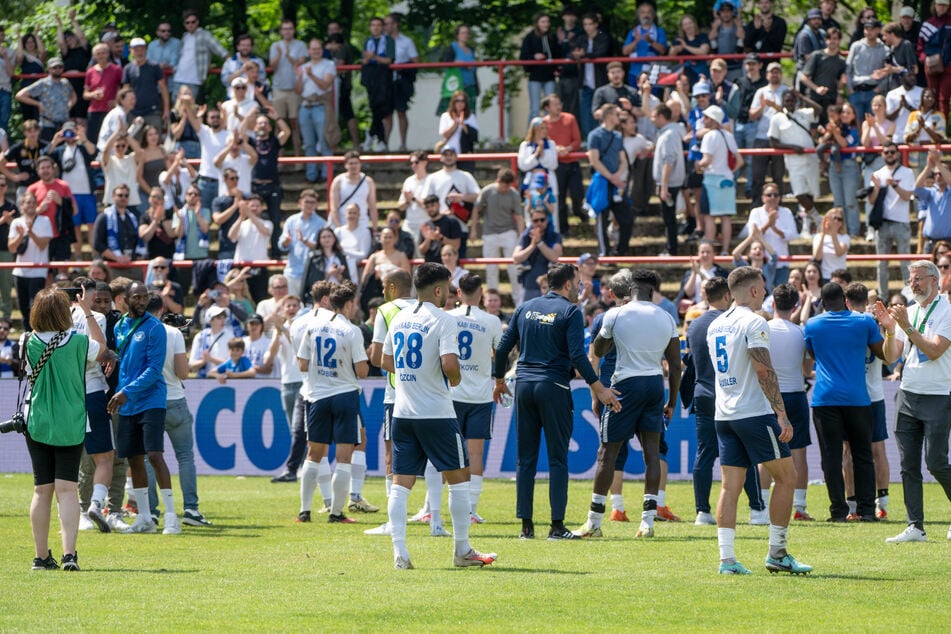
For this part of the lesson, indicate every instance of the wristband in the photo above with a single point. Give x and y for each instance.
(909, 330)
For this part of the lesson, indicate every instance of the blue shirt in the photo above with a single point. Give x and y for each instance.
(298, 252)
(549, 332)
(243, 365)
(938, 216)
(608, 143)
(141, 359)
(168, 53)
(644, 48)
(700, 352)
(608, 361)
(838, 341)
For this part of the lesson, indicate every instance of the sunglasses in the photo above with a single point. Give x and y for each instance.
(240, 87)
(120, 195)
(159, 267)
(231, 178)
(771, 195)
(4, 327)
(944, 267)
(538, 221)
(887, 152)
(191, 21)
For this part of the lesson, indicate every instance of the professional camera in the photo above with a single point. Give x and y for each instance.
(17, 424)
(177, 320)
(863, 193)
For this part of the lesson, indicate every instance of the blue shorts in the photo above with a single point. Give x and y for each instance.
(879, 426)
(86, 209)
(797, 411)
(99, 437)
(750, 441)
(387, 421)
(642, 409)
(438, 440)
(475, 420)
(403, 90)
(335, 419)
(141, 433)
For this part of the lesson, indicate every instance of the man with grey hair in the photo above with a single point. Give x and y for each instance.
(277, 289)
(921, 336)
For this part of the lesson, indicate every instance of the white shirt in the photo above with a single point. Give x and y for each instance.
(794, 129)
(787, 345)
(95, 379)
(785, 222)
(445, 122)
(187, 71)
(240, 164)
(323, 70)
(251, 243)
(873, 376)
(831, 261)
(715, 143)
(332, 345)
(380, 330)
(729, 339)
(243, 109)
(641, 332)
(416, 216)
(892, 101)
(776, 96)
(77, 178)
(405, 50)
(211, 145)
(42, 228)
(356, 244)
(109, 125)
(174, 344)
(256, 351)
(215, 343)
(921, 376)
(896, 209)
(351, 194)
(298, 328)
(284, 73)
(417, 340)
(444, 182)
(478, 335)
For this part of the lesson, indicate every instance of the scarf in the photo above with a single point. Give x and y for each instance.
(378, 46)
(112, 231)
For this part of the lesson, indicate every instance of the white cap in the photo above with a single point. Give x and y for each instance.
(136, 41)
(213, 311)
(714, 112)
(239, 81)
(907, 12)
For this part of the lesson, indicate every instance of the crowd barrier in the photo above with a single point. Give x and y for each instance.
(241, 430)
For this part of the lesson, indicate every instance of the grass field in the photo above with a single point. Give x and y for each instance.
(257, 570)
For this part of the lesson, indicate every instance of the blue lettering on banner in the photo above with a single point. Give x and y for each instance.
(261, 455)
(218, 457)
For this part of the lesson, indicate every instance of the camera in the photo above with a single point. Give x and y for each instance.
(177, 320)
(863, 193)
(214, 295)
(17, 423)
(73, 293)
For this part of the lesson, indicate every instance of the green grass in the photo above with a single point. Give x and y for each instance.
(257, 570)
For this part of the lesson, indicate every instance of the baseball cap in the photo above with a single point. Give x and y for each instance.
(907, 12)
(447, 148)
(714, 112)
(752, 58)
(942, 1)
(256, 317)
(873, 24)
(813, 14)
(773, 65)
(239, 81)
(136, 41)
(584, 257)
(700, 88)
(54, 61)
(214, 311)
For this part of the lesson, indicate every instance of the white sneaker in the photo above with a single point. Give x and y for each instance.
(401, 563)
(143, 524)
(705, 519)
(85, 524)
(870, 235)
(172, 525)
(475, 518)
(759, 518)
(117, 524)
(437, 530)
(422, 515)
(949, 532)
(382, 529)
(96, 517)
(910, 534)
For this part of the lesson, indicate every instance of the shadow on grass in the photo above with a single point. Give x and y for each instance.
(157, 571)
(853, 577)
(502, 569)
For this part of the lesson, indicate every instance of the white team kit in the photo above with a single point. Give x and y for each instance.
(787, 348)
(418, 337)
(729, 338)
(643, 331)
(380, 329)
(478, 335)
(332, 345)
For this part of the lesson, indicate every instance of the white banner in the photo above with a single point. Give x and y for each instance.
(240, 429)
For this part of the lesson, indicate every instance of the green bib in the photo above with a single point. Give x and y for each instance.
(57, 414)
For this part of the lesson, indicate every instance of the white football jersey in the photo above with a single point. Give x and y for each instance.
(729, 339)
(418, 337)
(95, 378)
(478, 335)
(641, 332)
(385, 314)
(332, 345)
(787, 345)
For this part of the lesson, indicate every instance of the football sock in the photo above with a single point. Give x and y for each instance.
(459, 510)
(388, 484)
(99, 493)
(396, 508)
(130, 492)
(475, 491)
(661, 497)
(323, 480)
(433, 492)
(341, 482)
(358, 473)
(725, 539)
(617, 502)
(777, 541)
(143, 494)
(596, 512)
(882, 500)
(650, 509)
(169, 500)
(764, 493)
(308, 484)
(799, 499)
(853, 504)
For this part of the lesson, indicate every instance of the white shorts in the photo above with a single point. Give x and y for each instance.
(803, 174)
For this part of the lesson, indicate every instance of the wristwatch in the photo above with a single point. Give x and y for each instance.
(909, 330)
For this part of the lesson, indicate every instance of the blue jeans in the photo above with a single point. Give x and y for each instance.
(745, 135)
(209, 191)
(892, 237)
(844, 184)
(192, 149)
(179, 426)
(587, 119)
(311, 119)
(6, 99)
(536, 89)
(862, 101)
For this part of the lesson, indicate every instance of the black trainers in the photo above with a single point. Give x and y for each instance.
(340, 519)
(71, 562)
(527, 533)
(45, 564)
(561, 533)
(284, 477)
(193, 517)
(303, 517)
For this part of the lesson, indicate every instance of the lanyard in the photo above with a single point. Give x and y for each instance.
(921, 328)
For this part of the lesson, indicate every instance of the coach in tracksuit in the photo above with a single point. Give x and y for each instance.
(549, 332)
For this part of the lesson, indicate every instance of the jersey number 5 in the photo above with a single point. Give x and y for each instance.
(723, 361)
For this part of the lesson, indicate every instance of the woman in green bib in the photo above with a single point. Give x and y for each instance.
(56, 421)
